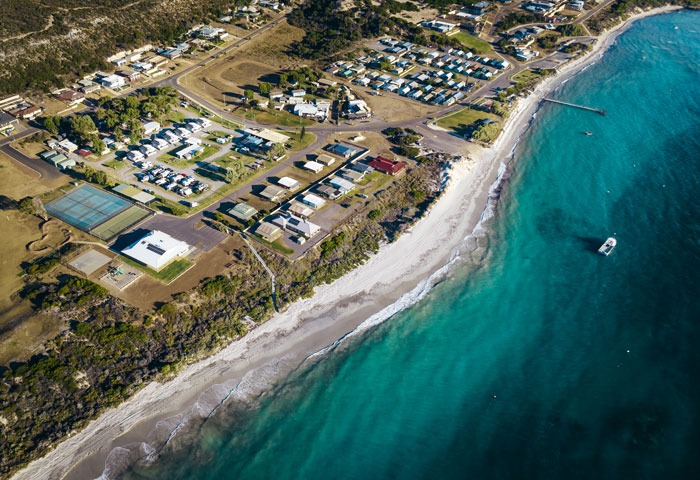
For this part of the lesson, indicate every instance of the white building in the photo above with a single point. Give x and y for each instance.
(296, 225)
(192, 141)
(135, 156)
(313, 201)
(150, 128)
(313, 166)
(341, 184)
(156, 249)
(113, 81)
(202, 121)
(147, 149)
(159, 143)
(308, 110)
(67, 145)
(289, 183)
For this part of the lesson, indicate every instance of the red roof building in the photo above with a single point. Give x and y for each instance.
(71, 97)
(29, 113)
(385, 165)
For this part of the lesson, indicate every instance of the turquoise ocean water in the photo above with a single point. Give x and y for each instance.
(547, 360)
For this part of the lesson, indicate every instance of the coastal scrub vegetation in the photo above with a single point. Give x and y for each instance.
(53, 41)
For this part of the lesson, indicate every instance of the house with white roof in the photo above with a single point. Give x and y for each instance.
(289, 183)
(313, 201)
(113, 81)
(67, 145)
(147, 149)
(296, 224)
(151, 128)
(341, 184)
(313, 166)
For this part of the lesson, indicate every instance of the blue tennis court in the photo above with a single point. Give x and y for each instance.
(87, 207)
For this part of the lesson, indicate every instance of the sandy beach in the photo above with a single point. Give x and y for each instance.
(389, 281)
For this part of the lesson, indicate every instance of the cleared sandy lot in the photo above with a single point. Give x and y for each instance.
(242, 69)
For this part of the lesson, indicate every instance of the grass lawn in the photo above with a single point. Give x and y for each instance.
(473, 43)
(297, 144)
(167, 274)
(199, 111)
(171, 159)
(208, 152)
(217, 134)
(526, 76)
(278, 245)
(276, 117)
(226, 160)
(461, 119)
(175, 117)
(117, 163)
(226, 123)
(378, 180)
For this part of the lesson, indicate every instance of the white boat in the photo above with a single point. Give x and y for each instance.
(607, 248)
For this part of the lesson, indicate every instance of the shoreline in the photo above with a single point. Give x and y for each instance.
(348, 305)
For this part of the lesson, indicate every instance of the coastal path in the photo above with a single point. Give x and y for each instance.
(267, 269)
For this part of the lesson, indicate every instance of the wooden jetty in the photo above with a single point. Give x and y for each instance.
(582, 107)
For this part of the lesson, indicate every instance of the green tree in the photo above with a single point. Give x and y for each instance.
(52, 124)
(302, 133)
(98, 146)
(277, 150)
(96, 176)
(249, 94)
(82, 127)
(264, 88)
(132, 102)
(26, 205)
(486, 132)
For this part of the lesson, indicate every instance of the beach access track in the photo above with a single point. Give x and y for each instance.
(269, 272)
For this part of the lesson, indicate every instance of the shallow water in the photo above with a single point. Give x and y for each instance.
(548, 360)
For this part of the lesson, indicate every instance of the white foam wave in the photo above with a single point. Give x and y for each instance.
(411, 298)
(252, 385)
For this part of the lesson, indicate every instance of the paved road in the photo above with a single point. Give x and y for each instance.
(582, 18)
(43, 168)
(25, 132)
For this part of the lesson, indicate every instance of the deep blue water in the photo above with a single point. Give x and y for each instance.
(547, 361)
